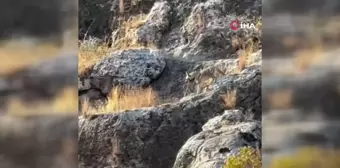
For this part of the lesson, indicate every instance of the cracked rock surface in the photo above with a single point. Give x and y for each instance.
(220, 137)
(151, 137)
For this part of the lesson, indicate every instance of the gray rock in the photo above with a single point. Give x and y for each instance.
(157, 23)
(151, 137)
(220, 138)
(206, 30)
(217, 70)
(137, 67)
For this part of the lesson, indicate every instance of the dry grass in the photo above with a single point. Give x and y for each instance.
(88, 58)
(124, 38)
(64, 103)
(246, 57)
(229, 99)
(281, 99)
(127, 99)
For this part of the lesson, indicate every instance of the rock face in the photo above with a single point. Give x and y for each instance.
(155, 134)
(192, 30)
(157, 23)
(206, 33)
(221, 137)
(196, 72)
(209, 74)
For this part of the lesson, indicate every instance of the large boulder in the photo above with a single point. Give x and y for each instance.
(220, 138)
(137, 67)
(157, 23)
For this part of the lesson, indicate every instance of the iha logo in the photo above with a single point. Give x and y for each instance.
(236, 25)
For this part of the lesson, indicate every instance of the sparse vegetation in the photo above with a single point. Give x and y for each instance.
(88, 58)
(124, 99)
(242, 61)
(308, 157)
(245, 54)
(123, 38)
(229, 99)
(246, 158)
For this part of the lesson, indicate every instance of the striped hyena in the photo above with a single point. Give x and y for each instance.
(199, 81)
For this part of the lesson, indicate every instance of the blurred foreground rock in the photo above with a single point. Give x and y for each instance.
(38, 142)
(40, 81)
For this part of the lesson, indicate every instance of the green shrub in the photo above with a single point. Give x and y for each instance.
(247, 158)
(309, 157)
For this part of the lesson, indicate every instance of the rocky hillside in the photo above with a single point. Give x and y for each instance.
(206, 77)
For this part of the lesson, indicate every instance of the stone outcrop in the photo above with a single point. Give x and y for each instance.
(158, 21)
(220, 138)
(136, 68)
(151, 137)
(192, 30)
(131, 67)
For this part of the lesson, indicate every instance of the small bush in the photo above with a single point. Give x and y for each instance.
(247, 158)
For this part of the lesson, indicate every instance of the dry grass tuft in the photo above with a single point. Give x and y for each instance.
(88, 58)
(126, 36)
(246, 55)
(281, 99)
(64, 103)
(125, 99)
(230, 99)
(242, 61)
